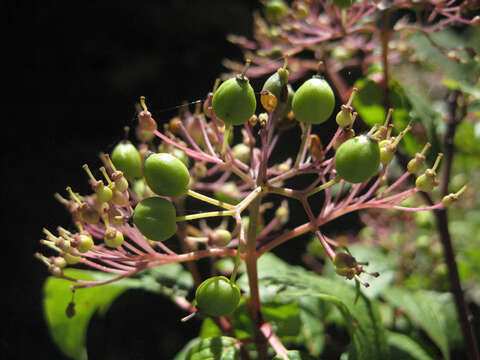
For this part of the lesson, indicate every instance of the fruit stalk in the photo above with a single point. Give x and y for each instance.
(464, 315)
(254, 306)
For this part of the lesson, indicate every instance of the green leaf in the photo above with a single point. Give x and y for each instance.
(428, 310)
(378, 262)
(312, 332)
(370, 102)
(214, 348)
(209, 329)
(404, 348)
(283, 317)
(183, 353)
(361, 318)
(70, 333)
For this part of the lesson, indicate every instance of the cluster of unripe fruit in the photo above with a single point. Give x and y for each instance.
(357, 158)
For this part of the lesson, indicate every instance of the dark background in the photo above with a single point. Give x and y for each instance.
(73, 73)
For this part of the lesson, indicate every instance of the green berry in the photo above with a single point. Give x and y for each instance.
(234, 101)
(344, 260)
(357, 159)
(155, 218)
(344, 117)
(278, 85)
(314, 101)
(387, 151)
(219, 238)
(104, 193)
(425, 182)
(242, 152)
(217, 296)
(127, 159)
(71, 259)
(275, 10)
(84, 243)
(113, 238)
(415, 165)
(166, 175)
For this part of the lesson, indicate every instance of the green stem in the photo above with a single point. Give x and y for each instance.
(302, 145)
(245, 202)
(205, 215)
(334, 181)
(226, 135)
(210, 200)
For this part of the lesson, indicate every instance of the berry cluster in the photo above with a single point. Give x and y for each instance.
(123, 224)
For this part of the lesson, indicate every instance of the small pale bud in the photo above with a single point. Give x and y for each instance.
(219, 238)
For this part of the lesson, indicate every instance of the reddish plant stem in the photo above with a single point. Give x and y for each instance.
(254, 305)
(274, 340)
(385, 38)
(464, 315)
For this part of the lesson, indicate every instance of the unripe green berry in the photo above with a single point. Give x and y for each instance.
(166, 175)
(344, 117)
(217, 296)
(234, 101)
(127, 159)
(155, 218)
(104, 193)
(113, 238)
(84, 242)
(275, 10)
(349, 273)
(71, 259)
(357, 159)
(59, 261)
(387, 151)
(343, 260)
(278, 85)
(415, 165)
(220, 238)
(242, 152)
(314, 101)
(121, 184)
(425, 182)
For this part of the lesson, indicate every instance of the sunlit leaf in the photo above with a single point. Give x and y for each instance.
(403, 347)
(427, 310)
(214, 348)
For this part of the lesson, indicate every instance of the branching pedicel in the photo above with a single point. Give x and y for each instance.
(122, 225)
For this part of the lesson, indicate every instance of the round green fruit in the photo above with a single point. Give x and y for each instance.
(234, 101)
(278, 85)
(357, 159)
(275, 10)
(127, 159)
(217, 296)
(314, 101)
(155, 218)
(166, 175)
